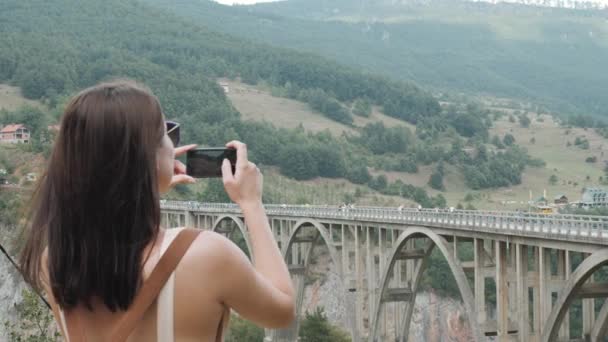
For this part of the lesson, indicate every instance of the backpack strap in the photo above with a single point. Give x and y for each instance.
(146, 295)
(155, 282)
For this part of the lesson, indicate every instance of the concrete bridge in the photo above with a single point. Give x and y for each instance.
(540, 264)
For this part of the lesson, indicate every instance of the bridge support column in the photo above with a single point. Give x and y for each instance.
(536, 294)
(410, 264)
(188, 219)
(351, 300)
(396, 277)
(480, 280)
(455, 241)
(285, 233)
(369, 270)
(523, 316)
(382, 240)
(359, 282)
(347, 236)
(544, 296)
(164, 220)
(502, 288)
(588, 308)
(563, 273)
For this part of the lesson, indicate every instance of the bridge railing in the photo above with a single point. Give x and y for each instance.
(558, 225)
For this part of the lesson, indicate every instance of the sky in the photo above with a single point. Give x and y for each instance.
(241, 2)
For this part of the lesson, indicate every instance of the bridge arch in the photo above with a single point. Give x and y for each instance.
(298, 266)
(582, 273)
(600, 327)
(323, 234)
(448, 253)
(239, 224)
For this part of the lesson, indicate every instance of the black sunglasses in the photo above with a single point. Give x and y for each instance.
(173, 132)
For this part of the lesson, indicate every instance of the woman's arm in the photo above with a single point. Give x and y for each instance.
(268, 259)
(263, 292)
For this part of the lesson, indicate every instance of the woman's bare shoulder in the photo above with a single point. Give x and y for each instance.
(211, 249)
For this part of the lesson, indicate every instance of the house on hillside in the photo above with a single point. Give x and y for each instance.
(560, 199)
(225, 87)
(542, 205)
(594, 197)
(14, 133)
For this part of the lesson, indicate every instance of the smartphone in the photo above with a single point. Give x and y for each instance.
(207, 162)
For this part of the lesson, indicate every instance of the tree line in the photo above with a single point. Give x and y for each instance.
(50, 52)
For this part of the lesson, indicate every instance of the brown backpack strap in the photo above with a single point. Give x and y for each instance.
(146, 295)
(152, 286)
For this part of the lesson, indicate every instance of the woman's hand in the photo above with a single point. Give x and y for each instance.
(245, 186)
(179, 169)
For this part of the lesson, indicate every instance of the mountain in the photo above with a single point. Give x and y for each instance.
(54, 48)
(572, 4)
(549, 56)
(51, 49)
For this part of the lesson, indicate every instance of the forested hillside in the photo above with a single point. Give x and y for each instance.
(552, 57)
(53, 48)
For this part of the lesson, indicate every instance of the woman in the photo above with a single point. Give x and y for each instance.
(94, 235)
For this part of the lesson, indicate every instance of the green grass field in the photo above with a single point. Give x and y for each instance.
(11, 99)
(257, 103)
(551, 140)
(566, 162)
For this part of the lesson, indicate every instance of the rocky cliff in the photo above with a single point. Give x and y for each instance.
(434, 319)
(11, 285)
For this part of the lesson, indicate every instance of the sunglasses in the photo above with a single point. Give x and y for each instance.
(173, 132)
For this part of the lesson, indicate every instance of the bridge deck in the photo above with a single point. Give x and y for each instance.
(587, 229)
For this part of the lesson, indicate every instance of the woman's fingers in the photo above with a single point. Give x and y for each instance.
(179, 168)
(227, 175)
(183, 149)
(182, 179)
(241, 153)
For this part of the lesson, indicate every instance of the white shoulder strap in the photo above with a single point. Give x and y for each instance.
(164, 317)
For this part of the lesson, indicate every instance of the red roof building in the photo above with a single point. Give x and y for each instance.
(14, 133)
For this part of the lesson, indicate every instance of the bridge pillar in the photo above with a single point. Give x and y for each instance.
(351, 313)
(358, 282)
(544, 296)
(369, 270)
(588, 308)
(455, 241)
(535, 293)
(480, 280)
(382, 237)
(523, 315)
(164, 219)
(285, 233)
(410, 264)
(502, 300)
(188, 219)
(563, 273)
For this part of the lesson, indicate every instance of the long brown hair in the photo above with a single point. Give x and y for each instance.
(97, 205)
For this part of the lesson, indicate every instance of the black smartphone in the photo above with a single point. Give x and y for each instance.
(207, 162)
